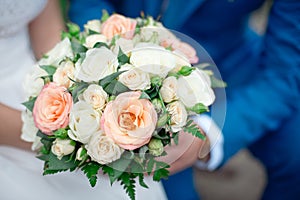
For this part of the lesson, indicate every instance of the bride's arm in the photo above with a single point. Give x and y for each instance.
(10, 128)
(46, 28)
(44, 31)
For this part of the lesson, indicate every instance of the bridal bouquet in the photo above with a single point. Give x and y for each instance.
(112, 97)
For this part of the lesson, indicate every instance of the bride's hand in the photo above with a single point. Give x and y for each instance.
(187, 152)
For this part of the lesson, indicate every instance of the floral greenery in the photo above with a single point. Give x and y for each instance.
(133, 164)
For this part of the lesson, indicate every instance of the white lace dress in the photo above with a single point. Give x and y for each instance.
(20, 172)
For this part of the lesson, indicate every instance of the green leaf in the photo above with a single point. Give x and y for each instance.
(60, 164)
(78, 89)
(91, 170)
(108, 79)
(141, 181)
(128, 182)
(144, 95)
(185, 70)
(73, 29)
(194, 130)
(161, 173)
(119, 166)
(105, 15)
(49, 69)
(175, 138)
(115, 87)
(199, 108)
(100, 44)
(30, 103)
(61, 133)
(217, 83)
(77, 47)
(150, 165)
(122, 57)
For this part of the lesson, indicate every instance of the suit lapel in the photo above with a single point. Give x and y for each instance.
(178, 11)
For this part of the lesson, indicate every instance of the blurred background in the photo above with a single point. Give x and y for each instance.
(243, 177)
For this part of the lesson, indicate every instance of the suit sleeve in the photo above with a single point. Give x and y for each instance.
(264, 104)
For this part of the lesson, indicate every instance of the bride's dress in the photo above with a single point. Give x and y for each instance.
(20, 172)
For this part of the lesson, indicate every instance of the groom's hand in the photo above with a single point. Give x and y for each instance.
(187, 152)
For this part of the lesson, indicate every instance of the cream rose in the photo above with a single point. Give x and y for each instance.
(93, 25)
(129, 120)
(29, 130)
(169, 89)
(118, 25)
(33, 82)
(135, 79)
(62, 148)
(195, 88)
(51, 108)
(91, 40)
(103, 149)
(84, 121)
(63, 73)
(95, 96)
(178, 115)
(98, 63)
(153, 59)
(61, 50)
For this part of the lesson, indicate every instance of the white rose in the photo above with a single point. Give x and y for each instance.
(195, 88)
(91, 40)
(153, 59)
(33, 82)
(84, 121)
(95, 96)
(102, 149)
(98, 63)
(61, 50)
(125, 44)
(181, 60)
(178, 115)
(29, 130)
(135, 79)
(63, 73)
(169, 89)
(62, 147)
(93, 25)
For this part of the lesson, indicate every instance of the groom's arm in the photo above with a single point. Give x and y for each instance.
(264, 104)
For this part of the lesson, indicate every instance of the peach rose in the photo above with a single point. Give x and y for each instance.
(183, 48)
(129, 121)
(117, 24)
(51, 108)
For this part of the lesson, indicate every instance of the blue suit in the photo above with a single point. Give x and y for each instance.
(262, 72)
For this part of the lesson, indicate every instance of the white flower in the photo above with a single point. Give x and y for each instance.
(102, 149)
(195, 88)
(62, 147)
(135, 79)
(84, 121)
(80, 154)
(93, 25)
(29, 130)
(98, 63)
(91, 40)
(169, 89)
(95, 96)
(58, 53)
(63, 73)
(153, 59)
(178, 115)
(33, 82)
(125, 44)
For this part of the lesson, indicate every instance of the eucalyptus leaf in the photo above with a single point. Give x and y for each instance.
(30, 103)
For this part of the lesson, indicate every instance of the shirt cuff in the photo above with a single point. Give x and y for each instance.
(216, 139)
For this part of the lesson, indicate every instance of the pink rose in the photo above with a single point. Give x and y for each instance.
(129, 121)
(118, 24)
(182, 47)
(51, 108)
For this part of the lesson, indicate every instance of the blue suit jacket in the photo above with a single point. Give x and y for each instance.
(262, 72)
